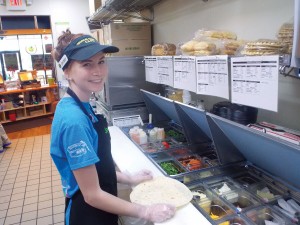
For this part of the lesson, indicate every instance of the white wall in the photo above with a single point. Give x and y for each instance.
(72, 11)
(176, 21)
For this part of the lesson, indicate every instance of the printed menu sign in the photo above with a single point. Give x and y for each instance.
(165, 70)
(212, 75)
(254, 81)
(151, 69)
(185, 73)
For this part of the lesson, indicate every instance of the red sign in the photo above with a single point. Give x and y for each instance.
(16, 4)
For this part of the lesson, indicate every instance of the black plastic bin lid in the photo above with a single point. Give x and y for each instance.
(279, 158)
(194, 123)
(161, 108)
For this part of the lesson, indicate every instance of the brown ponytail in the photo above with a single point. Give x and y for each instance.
(63, 41)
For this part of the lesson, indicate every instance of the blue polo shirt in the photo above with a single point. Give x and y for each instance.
(74, 142)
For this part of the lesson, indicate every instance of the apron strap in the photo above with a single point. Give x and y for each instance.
(77, 100)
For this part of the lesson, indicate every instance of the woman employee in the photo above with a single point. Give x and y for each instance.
(80, 142)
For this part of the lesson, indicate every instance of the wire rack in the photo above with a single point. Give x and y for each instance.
(121, 10)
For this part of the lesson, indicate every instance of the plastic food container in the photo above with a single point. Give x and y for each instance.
(234, 220)
(266, 192)
(246, 180)
(160, 156)
(192, 162)
(158, 146)
(149, 147)
(262, 215)
(170, 167)
(241, 200)
(175, 135)
(210, 159)
(224, 185)
(210, 204)
(179, 152)
(289, 207)
(208, 173)
(200, 197)
(196, 175)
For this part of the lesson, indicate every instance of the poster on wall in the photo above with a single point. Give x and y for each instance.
(254, 81)
(165, 70)
(11, 61)
(185, 73)
(37, 62)
(48, 62)
(151, 69)
(212, 75)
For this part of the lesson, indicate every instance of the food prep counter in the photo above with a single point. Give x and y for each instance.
(233, 194)
(128, 158)
(237, 175)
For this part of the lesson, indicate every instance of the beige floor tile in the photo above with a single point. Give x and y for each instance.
(30, 207)
(30, 222)
(45, 220)
(29, 216)
(30, 186)
(14, 211)
(9, 220)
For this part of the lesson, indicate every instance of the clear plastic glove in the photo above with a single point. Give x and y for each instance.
(140, 176)
(157, 213)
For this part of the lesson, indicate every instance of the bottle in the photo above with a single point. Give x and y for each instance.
(200, 104)
(186, 97)
(152, 135)
(93, 102)
(160, 134)
(143, 137)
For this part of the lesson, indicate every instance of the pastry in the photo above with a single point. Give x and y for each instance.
(163, 49)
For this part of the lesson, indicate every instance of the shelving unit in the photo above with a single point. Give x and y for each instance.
(120, 10)
(28, 109)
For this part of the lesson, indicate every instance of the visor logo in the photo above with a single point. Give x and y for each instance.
(86, 40)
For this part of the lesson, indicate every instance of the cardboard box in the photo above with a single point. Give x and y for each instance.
(8, 105)
(133, 39)
(127, 31)
(20, 113)
(132, 47)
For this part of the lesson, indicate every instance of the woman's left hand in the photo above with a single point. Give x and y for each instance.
(140, 176)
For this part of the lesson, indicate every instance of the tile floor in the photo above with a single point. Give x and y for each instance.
(30, 189)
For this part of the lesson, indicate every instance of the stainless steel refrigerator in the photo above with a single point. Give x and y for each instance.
(121, 95)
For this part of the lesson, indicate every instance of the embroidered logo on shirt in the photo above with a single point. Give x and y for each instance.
(106, 130)
(78, 149)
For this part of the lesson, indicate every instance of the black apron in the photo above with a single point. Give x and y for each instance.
(81, 213)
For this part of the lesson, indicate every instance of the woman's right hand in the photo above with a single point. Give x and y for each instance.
(157, 213)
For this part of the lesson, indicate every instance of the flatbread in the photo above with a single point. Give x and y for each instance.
(161, 190)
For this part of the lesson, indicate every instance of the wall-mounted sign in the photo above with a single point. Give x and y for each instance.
(16, 5)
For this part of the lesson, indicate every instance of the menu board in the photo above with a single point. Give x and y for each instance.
(212, 75)
(37, 62)
(185, 73)
(165, 70)
(254, 81)
(48, 62)
(11, 61)
(41, 62)
(151, 69)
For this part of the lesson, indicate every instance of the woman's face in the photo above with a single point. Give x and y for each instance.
(87, 76)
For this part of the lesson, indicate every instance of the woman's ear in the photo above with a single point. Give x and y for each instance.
(67, 73)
